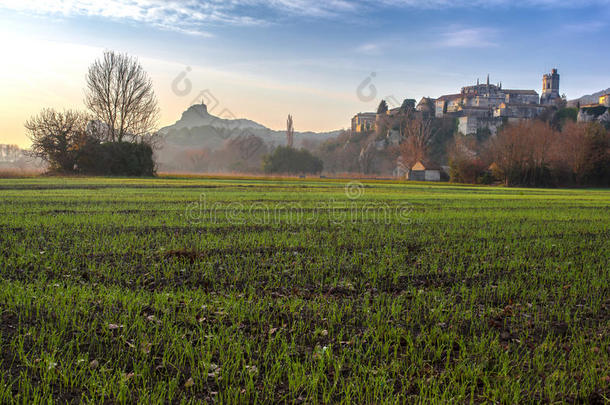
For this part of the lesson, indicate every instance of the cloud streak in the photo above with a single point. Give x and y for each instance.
(486, 4)
(197, 17)
(468, 38)
(370, 48)
(188, 16)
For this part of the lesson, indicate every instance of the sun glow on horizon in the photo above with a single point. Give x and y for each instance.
(39, 73)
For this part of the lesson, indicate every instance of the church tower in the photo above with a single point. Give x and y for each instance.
(550, 88)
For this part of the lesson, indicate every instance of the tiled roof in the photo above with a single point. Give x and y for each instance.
(428, 164)
(529, 92)
(449, 97)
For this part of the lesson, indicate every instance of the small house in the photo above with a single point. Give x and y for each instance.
(424, 170)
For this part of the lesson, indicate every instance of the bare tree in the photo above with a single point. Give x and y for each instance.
(57, 137)
(120, 94)
(467, 159)
(368, 153)
(582, 151)
(523, 152)
(289, 131)
(418, 134)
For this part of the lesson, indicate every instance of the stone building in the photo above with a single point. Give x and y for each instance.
(487, 106)
(481, 100)
(447, 104)
(425, 171)
(550, 88)
(517, 110)
(480, 106)
(529, 97)
(469, 125)
(426, 106)
(363, 122)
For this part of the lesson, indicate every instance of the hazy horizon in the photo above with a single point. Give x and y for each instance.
(263, 60)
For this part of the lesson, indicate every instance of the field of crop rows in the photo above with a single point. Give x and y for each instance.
(301, 291)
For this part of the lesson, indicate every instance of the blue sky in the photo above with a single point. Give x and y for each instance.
(265, 59)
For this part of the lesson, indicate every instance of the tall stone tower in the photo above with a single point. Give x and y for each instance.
(550, 88)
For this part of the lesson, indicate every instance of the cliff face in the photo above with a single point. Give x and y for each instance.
(599, 114)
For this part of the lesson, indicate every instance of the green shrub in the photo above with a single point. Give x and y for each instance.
(594, 111)
(117, 159)
(291, 161)
(485, 178)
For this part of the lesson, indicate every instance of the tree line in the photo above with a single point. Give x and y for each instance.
(534, 153)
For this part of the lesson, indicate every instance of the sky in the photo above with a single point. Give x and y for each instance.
(320, 60)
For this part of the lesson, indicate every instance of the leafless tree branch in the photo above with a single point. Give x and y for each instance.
(120, 94)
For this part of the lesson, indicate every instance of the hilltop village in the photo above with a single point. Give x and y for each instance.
(483, 106)
(429, 137)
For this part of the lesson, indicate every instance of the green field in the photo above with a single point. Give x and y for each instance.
(302, 291)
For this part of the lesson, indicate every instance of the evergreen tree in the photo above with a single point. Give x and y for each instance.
(383, 107)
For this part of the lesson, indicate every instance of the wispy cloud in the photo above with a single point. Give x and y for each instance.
(313, 8)
(468, 38)
(198, 16)
(370, 48)
(187, 16)
(433, 4)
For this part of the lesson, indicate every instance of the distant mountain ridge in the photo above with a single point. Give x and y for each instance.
(588, 99)
(198, 128)
(200, 141)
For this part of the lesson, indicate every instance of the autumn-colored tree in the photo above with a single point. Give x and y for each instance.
(598, 172)
(467, 160)
(417, 137)
(522, 153)
(584, 149)
(569, 153)
(533, 153)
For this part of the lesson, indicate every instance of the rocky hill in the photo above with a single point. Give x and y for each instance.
(198, 132)
(198, 128)
(588, 99)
